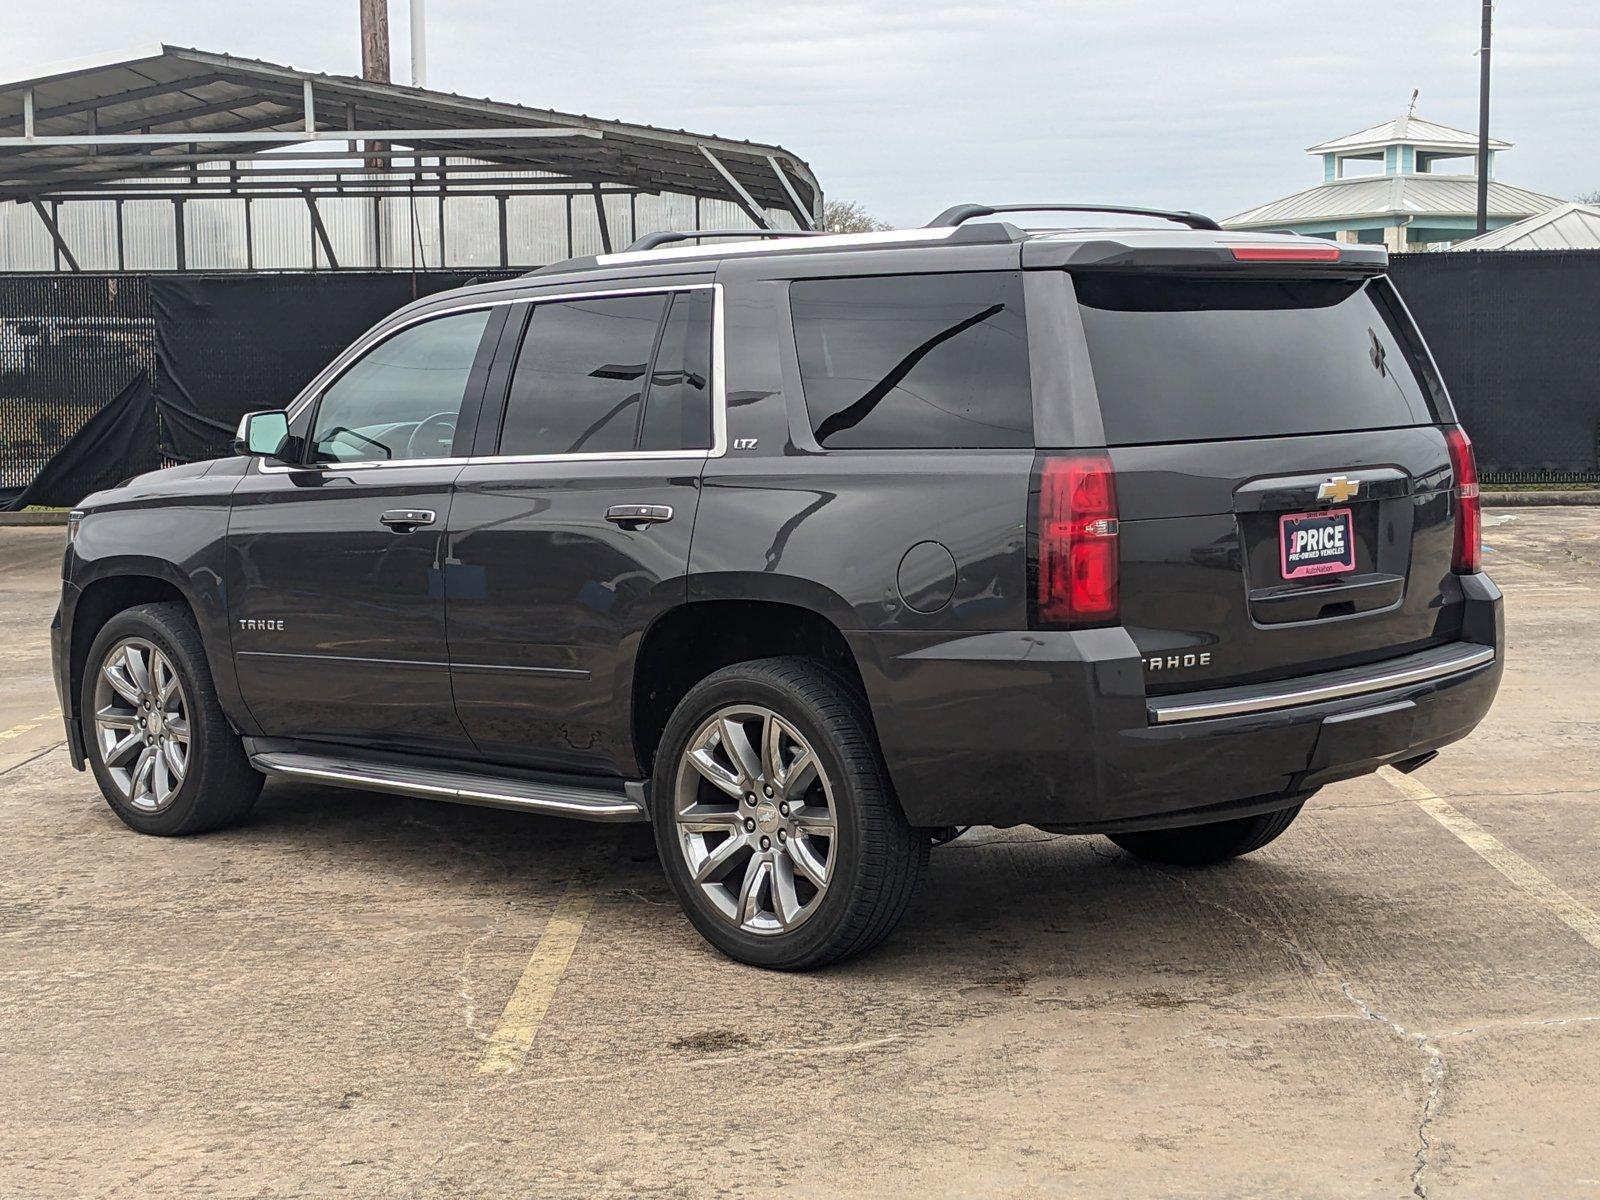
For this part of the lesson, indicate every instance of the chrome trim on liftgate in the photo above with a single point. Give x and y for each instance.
(1334, 685)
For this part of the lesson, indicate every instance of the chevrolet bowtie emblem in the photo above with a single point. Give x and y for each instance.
(1337, 488)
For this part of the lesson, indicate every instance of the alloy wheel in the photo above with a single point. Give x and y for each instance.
(755, 819)
(141, 723)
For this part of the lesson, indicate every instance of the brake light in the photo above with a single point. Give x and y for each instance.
(1077, 552)
(1468, 557)
(1285, 253)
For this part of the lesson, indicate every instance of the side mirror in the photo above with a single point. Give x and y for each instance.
(262, 434)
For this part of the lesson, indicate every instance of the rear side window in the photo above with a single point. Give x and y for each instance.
(1181, 360)
(580, 374)
(915, 361)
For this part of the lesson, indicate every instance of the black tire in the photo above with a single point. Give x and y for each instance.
(219, 785)
(878, 860)
(1198, 845)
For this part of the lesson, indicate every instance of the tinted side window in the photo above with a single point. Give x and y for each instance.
(580, 375)
(915, 360)
(402, 398)
(677, 410)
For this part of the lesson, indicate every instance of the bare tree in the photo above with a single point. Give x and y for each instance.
(848, 216)
(1586, 198)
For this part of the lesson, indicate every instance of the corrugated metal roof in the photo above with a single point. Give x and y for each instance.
(168, 90)
(1413, 131)
(1414, 196)
(1569, 227)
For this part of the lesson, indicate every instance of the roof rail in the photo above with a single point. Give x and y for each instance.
(966, 212)
(651, 240)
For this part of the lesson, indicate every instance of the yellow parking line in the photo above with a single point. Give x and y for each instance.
(17, 731)
(1575, 915)
(512, 1038)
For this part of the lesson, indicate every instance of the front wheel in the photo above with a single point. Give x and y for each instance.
(1199, 845)
(775, 818)
(166, 759)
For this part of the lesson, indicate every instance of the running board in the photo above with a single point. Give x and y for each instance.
(624, 802)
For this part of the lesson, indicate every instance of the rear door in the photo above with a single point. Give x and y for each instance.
(572, 533)
(1282, 478)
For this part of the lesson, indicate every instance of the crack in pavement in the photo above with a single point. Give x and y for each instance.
(1313, 962)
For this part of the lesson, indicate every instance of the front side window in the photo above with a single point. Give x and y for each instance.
(581, 375)
(915, 361)
(402, 399)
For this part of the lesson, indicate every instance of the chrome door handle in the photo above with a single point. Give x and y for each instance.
(632, 516)
(404, 520)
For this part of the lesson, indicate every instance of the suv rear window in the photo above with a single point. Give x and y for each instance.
(1186, 360)
(914, 361)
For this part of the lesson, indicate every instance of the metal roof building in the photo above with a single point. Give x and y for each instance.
(1409, 205)
(1569, 227)
(172, 158)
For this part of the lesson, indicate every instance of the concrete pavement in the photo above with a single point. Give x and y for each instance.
(1374, 1005)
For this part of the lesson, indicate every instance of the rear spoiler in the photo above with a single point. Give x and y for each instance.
(1224, 252)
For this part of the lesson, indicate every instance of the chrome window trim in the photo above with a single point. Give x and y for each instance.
(719, 390)
(1456, 660)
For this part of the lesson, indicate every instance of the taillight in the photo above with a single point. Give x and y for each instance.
(1468, 555)
(1077, 553)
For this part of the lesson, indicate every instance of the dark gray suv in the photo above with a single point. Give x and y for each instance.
(811, 550)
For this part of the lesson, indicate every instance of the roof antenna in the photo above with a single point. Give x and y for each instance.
(1412, 111)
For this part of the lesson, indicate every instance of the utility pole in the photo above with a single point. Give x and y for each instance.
(419, 45)
(1483, 119)
(375, 40)
(375, 60)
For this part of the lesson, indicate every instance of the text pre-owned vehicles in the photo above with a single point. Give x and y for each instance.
(811, 549)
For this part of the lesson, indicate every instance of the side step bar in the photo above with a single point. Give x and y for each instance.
(587, 803)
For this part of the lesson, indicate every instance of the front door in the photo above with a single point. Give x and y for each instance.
(335, 564)
(572, 535)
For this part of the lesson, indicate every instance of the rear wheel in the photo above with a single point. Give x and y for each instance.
(775, 819)
(1197, 845)
(163, 753)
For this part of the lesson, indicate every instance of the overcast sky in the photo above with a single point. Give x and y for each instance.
(911, 106)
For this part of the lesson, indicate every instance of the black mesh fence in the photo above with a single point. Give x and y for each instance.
(1516, 334)
(170, 362)
(69, 345)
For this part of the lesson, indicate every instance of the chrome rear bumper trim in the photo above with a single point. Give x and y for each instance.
(1315, 689)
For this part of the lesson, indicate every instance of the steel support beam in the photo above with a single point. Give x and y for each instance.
(297, 136)
(505, 241)
(605, 225)
(321, 233)
(797, 208)
(745, 200)
(64, 250)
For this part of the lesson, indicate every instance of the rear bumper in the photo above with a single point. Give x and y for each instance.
(1054, 728)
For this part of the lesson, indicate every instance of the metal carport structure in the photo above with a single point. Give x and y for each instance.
(177, 125)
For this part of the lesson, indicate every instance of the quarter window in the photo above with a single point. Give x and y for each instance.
(402, 399)
(677, 409)
(923, 361)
